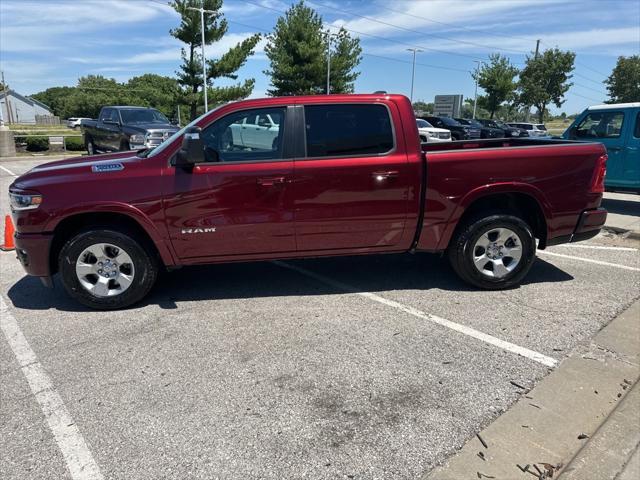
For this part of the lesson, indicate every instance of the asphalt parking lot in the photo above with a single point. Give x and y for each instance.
(359, 367)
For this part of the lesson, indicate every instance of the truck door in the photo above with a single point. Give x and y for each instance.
(610, 128)
(110, 130)
(351, 187)
(239, 202)
(631, 152)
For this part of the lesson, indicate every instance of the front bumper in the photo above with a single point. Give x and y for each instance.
(33, 252)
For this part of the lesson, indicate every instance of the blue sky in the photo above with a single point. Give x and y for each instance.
(46, 43)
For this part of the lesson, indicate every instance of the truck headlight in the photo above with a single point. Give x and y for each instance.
(137, 139)
(24, 201)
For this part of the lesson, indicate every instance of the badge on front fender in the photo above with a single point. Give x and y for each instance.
(107, 167)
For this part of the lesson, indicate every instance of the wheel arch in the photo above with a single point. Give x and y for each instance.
(71, 224)
(522, 199)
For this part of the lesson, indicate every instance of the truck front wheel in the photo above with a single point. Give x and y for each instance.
(493, 252)
(106, 269)
(91, 147)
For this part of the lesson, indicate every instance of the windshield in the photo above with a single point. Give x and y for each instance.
(475, 123)
(449, 121)
(423, 123)
(142, 115)
(160, 148)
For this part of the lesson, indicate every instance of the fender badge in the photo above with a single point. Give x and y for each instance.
(189, 231)
(107, 167)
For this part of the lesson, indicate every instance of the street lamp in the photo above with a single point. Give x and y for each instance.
(329, 35)
(413, 69)
(475, 95)
(204, 61)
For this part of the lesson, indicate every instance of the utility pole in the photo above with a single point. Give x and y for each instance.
(475, 95)
(537, 48)
(413, 69)
(204, 61)
(329, 64)
(329, 35)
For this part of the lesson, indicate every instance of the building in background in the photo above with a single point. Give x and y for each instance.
(17, 108)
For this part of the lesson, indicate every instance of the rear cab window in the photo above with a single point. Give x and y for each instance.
(348, 130)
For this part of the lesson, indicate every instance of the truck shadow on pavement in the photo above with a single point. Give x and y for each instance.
(377, 273)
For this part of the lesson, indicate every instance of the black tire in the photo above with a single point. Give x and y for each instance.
(124, 146)
(461, 255)
(456, 136)
(423, 139)
(91, 147)
(144, 276)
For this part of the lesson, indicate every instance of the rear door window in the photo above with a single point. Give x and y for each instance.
(347, 130)
(601, 125)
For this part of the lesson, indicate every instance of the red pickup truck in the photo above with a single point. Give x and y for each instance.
(299, 177)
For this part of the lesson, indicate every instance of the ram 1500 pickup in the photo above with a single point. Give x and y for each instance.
(318, 176)
(126, 128)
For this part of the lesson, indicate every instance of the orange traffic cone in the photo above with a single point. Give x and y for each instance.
(8, 235)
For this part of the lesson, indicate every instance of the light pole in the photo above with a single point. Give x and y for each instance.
(329, 35)
(204, 61)
(475, 95)
(413, 69)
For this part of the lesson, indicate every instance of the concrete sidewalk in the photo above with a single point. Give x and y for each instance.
(582, 421)
(623, 213)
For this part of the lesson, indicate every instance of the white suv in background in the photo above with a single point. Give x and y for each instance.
(430, 134)
(75, 122)
(534, 129)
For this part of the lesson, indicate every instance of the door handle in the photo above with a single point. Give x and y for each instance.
(271, 181)
(385, 175)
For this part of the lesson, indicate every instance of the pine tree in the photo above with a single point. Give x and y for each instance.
(190, 74)
(297, 50)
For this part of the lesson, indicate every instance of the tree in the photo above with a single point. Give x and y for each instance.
(297, 50)
(624, 82)
(422, 106)
(545, 79)
(190, 74)
(156, 91)
(497, 80)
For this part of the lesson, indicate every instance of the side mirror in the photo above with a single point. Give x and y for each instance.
(192, 149)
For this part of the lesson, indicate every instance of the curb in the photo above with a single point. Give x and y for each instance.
(607, 453)
(548, 426)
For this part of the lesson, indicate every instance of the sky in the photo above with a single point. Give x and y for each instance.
(47, 43)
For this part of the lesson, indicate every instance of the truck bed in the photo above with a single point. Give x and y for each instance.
(496, 143)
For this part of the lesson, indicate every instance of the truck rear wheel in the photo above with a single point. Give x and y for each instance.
(106, 269)
(493, 252)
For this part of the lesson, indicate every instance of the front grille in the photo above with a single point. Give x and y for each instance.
(156, 137)
(473, 133)
(444, 135)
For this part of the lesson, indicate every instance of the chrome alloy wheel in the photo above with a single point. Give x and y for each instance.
(497, 252)
(104, 270)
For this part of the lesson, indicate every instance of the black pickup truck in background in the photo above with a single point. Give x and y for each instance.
(126, 128)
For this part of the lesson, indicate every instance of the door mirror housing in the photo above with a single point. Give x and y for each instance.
(192, 149)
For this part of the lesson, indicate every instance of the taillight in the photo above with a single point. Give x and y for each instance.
(597, 185)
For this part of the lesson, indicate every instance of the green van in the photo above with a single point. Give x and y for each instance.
(617, 126)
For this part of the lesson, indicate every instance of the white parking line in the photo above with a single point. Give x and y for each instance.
(509, 347)
(599, 247)
(74, 449)
(589, 260)
(8, 171)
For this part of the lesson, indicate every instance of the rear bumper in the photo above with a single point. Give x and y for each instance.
(33, 253)
(589, 225)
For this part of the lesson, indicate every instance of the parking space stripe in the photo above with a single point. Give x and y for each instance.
(599, 247)
(8, 171)
(589, 260)
(484, 337)
(74, 449)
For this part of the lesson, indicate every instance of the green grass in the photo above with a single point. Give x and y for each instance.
(557, 127)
